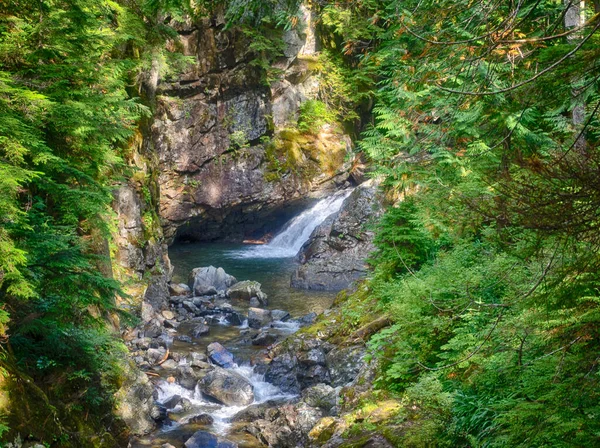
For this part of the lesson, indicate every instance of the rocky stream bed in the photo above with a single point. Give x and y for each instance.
(223, 364)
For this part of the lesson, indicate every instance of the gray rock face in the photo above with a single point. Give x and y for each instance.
(216, 175)
(302, 363)
(220, 355)
(227, 387)
(246, 290)
(345, 363)
(210, 280)
(286, 426)
(203, 439)
(334, 256)
(135, 402)
(282, 372)
(321, 396)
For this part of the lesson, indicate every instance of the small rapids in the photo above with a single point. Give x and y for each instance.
(263, 391)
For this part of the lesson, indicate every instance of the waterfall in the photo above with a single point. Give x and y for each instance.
(296, 232)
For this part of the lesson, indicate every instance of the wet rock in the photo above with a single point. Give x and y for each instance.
(187, 377)
(186, 404)
(227, 387)
(189, 306)
(203, 439)
(258, 317)
(202, 302)
(171, 402)
(282, 372)
(166, 445)
(309, 319)
(264, 338)
(220, 355)
(197, 358)
(280, 315)
(210, 280)
(200, 330)
(254, 302)
(184, 338)
(246, 290)
(202, 419)
(335, 255)
(179, 289)
(159, 413)
(235, 318)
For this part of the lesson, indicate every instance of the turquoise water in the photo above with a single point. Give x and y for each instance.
(273, 274)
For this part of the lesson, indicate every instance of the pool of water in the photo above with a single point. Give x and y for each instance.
(272, 273)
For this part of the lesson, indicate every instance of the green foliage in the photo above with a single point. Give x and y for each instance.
(66, 118)
(495, 312)
(402, 242)
(313, 115)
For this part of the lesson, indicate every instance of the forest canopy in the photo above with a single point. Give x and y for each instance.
(482, 117)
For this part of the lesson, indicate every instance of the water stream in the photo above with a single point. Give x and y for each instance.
(271, 265)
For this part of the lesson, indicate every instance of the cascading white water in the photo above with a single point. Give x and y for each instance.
(296, 232)
(221, 414)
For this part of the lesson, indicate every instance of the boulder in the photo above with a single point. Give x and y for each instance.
(286, 426)
(202, 419)
(258, 317)
(203, 439)
(171, 402)
(282, 372)
(227, 387)
(179, 289)
(235, 318)
(309, 319)
(147, 312)
(187, 377)
(210, 280)
(168, 314)
(153, 329)
(219, 355)
(200, 330)
(246, 290)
